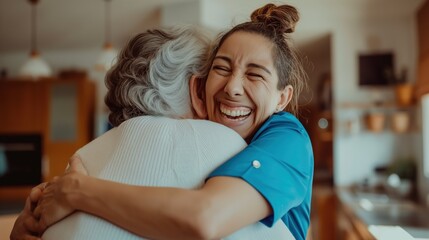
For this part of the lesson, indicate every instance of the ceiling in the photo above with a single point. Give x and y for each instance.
(76, 24)
(79, 24)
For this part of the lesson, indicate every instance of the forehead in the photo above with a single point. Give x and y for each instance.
(244, 47)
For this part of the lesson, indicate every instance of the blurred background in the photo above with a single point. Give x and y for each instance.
(366, 110)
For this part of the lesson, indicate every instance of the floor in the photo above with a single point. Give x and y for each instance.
(6, 223)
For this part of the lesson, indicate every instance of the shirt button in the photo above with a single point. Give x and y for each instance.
(256, 164)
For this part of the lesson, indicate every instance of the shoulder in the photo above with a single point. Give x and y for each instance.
(285, 138)
(282, 126)
(143, 121)
(149, 126)
(214, 131)
(283, 120)
(215, 140)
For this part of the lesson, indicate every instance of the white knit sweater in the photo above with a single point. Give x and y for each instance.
(157, 151)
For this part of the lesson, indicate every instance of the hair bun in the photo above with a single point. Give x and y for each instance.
(283, 18)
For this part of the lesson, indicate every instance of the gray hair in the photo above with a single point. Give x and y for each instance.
(151, 76)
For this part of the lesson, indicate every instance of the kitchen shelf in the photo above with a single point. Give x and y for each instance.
(371, 105)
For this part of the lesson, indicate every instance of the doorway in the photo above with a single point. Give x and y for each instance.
(316, 114)
(316, 105)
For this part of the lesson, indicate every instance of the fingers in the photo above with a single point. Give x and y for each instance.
(40, 208)
(37, 192)
(26, 227)
(23, 236)
(76, 165)
(28, 207)
(42, 225)
(37, 212)
(31, 238)
(26, 237)
(52, 181)
(31, 224)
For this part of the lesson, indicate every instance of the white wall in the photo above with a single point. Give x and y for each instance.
(355, 156)
(183, 13)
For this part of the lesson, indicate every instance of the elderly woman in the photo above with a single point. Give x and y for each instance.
(155, 141)
(254, 75)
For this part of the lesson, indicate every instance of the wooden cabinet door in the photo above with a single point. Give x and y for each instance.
(61, 110)
(70, 121)
(22, 107)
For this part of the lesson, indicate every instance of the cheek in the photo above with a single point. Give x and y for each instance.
(213, 85)
(265, 100)
(262, 96)
(210, 93)
(208, 88)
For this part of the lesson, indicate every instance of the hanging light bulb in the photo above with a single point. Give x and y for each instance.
(108, 57)
(35, 66)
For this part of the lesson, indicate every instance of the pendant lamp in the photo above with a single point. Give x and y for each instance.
(107, 58)
(35, 66)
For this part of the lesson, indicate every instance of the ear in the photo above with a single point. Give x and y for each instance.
(285, 97)
(197, 102)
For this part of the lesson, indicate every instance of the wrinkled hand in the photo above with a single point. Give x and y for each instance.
(26, 227)
(75, 165)
(55, 203)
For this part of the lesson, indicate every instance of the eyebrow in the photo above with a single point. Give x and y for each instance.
(254, 65)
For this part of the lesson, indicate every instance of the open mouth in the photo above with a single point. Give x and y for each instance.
(235, 113)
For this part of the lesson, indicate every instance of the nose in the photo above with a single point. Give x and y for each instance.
(234, 86)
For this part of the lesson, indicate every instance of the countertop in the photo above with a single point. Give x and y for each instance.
(365, 209)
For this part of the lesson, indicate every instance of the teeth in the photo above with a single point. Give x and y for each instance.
(234, 112)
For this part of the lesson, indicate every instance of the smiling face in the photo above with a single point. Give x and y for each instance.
(241, 88)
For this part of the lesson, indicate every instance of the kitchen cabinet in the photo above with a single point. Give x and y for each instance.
(349, 214)
(350, 227)
(362, 211)
(61, 110)
(333, 219)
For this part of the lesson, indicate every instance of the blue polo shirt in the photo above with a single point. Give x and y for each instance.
(279, 164)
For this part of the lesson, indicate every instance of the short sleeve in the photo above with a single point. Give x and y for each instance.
(278, 163)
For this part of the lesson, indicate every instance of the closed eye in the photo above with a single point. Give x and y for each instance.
(255, 76)
(222, 70)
